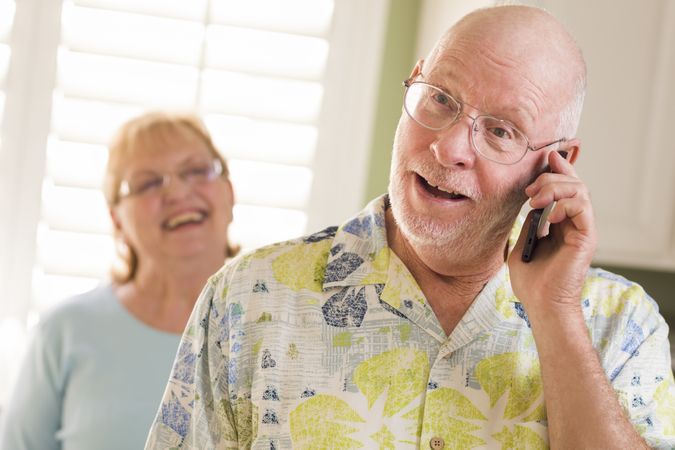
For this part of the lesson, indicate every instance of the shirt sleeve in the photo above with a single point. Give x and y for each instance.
(640, 368)
(33, 415)
(196, 411)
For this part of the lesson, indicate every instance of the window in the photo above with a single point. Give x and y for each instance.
(286, 88)
(262, 101)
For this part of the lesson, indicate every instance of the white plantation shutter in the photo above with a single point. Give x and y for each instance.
(286, 88)
(256, 78)
(114, 60)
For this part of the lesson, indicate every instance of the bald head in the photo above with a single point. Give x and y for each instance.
(531, 39)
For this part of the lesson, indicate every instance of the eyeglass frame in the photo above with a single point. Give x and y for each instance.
(460, 112)
(215, 164)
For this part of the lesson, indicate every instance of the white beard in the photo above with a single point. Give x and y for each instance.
(467, 236)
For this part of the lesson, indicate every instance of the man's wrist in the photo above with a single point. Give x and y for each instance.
(556, 315)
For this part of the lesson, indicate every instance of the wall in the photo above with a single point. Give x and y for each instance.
(397, 63)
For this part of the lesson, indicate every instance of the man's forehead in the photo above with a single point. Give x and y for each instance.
(517, 63)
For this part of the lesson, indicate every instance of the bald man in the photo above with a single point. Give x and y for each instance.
(424, 321)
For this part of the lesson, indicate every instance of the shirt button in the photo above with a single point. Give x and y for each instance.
(436, 443)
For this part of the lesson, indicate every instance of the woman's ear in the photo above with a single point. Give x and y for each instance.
(115, 219)
(230, 197)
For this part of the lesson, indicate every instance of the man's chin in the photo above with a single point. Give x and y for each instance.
(420, 230)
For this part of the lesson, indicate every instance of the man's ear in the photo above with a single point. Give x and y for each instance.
(573, 147)
(417, 69)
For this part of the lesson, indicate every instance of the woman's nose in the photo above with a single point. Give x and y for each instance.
(175, 186)
(452, 146)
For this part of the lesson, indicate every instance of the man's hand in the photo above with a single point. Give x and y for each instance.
(581, 406)
(554, 278)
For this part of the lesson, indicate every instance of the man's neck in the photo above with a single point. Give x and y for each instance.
(449, 280)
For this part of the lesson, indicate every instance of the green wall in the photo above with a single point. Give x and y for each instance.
(398, 59)
(397, 63)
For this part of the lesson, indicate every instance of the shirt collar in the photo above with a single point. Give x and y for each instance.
(359, 254)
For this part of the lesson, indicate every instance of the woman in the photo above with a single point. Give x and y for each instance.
(170, 201)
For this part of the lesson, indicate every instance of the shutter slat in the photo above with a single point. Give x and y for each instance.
(132, 35)
(127, 80)
(51, 288)
(76, 164)
(259, 140)
(78, 254)
(271, 184)
(310, 17)
(260, 97)
(88, 120)
(178, 9)
(75, 210)
(266, 53)
(252, 227)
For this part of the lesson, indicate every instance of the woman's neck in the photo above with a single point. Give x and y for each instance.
(163, 295)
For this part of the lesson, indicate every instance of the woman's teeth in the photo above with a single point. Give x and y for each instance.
(182, 219)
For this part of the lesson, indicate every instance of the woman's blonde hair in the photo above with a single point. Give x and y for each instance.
(150, 132)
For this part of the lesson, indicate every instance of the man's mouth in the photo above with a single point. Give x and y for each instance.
(180, 220)
(439, 192)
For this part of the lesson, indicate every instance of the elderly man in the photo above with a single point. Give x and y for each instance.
(417, 324)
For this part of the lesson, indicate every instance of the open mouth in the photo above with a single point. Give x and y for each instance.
(439, 192)
(184, 219)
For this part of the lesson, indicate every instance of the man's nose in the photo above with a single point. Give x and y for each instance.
(452, 146)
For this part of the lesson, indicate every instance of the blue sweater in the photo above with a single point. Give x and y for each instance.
(80, 386)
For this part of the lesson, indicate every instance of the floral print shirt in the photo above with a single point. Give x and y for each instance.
(328, 342)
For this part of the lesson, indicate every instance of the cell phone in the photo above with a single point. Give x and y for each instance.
(537, 224)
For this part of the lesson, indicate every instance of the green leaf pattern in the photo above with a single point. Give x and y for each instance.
(396, 371)
(498, 374)
(303, 266)
(391, 382)
(324, 421)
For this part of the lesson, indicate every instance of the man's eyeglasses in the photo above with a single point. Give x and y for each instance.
(495, 139)
(148, 183)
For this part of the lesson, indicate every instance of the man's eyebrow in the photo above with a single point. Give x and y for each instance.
(444, 87)
(519, 116)
(434, 81)
(508, 114)
(515, 114)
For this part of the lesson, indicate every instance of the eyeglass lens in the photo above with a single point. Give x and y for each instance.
(495, 139)
(148, 182)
